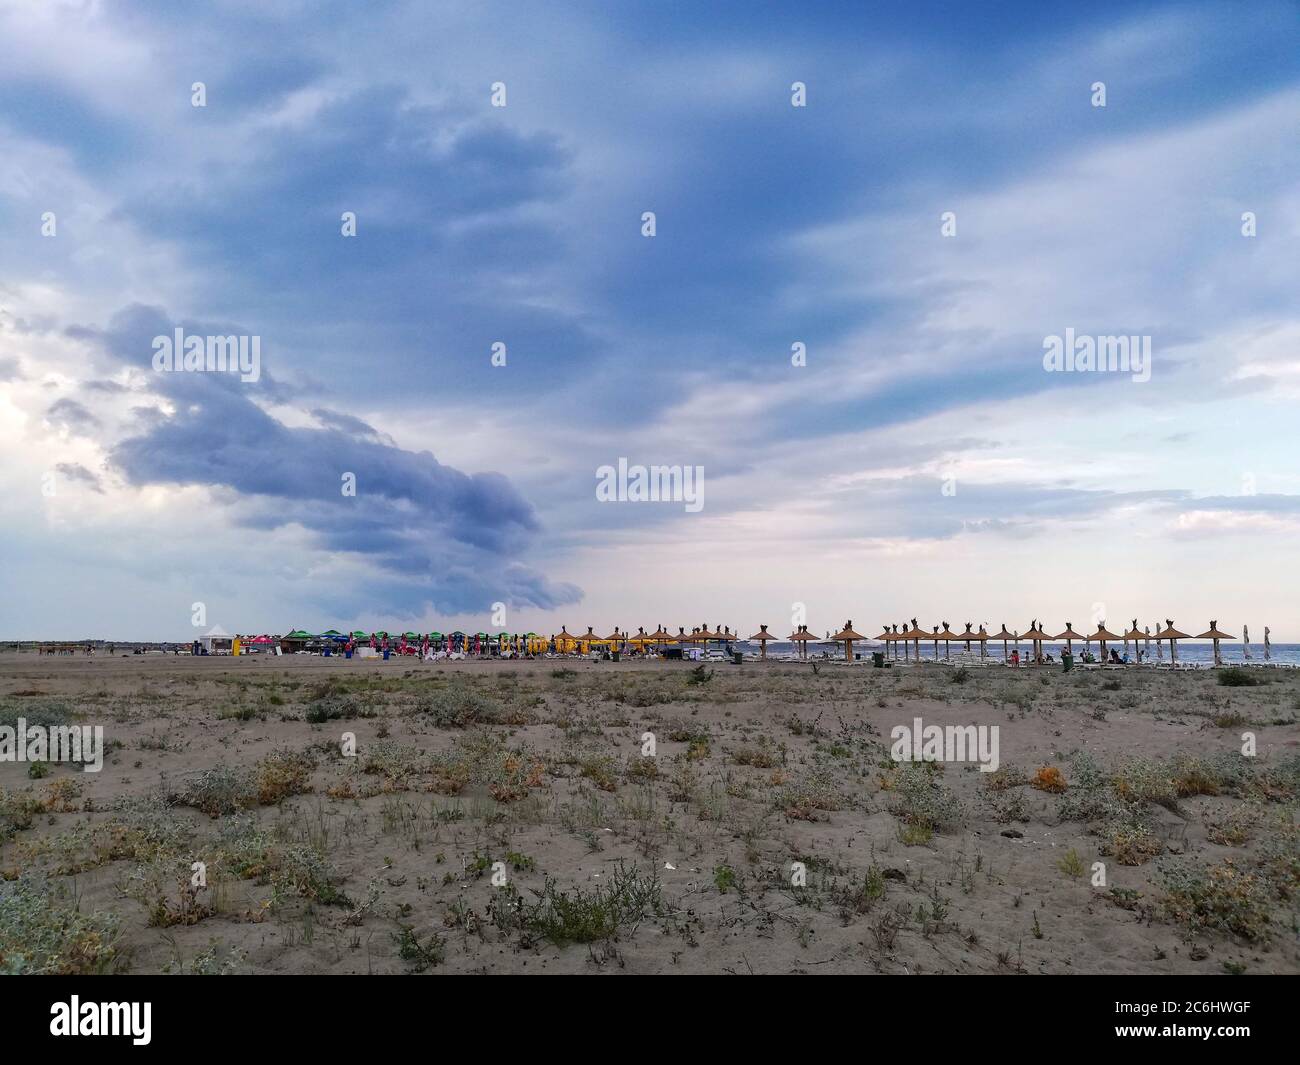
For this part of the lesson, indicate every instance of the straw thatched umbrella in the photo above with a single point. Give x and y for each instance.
(1173, 636)
(589, 639)
(1102, 635)
(762, 636)
(1134, 634)
(661, 637)
(1160, 650)
(801, 636)
(1038, 636)
(945, 636)
(968, 635)
(1069, 636)
(983, 637)
(705, 635)
(846, 636)
(1215, 635)
(1004, 636)
(886, 637)
(916, 635)
(1267, 645)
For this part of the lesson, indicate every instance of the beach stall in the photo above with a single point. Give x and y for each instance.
(296, 640)
(216, 642)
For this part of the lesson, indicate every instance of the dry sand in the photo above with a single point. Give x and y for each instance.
(909, 869)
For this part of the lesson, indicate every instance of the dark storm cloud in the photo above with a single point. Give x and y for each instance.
(453, 538)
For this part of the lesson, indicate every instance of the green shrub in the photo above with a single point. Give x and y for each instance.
(580, 915)
(218, 791)
(921, 800)
(40, 935)
(1238, 677)
(1220, 898)
(459, 706)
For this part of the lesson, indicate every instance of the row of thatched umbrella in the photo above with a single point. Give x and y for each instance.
(914, 635)
(1038, 637)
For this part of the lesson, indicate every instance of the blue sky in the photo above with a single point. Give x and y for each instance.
(921, 463)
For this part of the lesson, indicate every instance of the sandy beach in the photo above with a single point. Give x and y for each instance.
(652, 817)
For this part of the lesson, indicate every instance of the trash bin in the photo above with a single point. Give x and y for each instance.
(386, 654)
(347, 654)
(614, 655)
(1067, 660)
(878, 659)
(737, 656)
